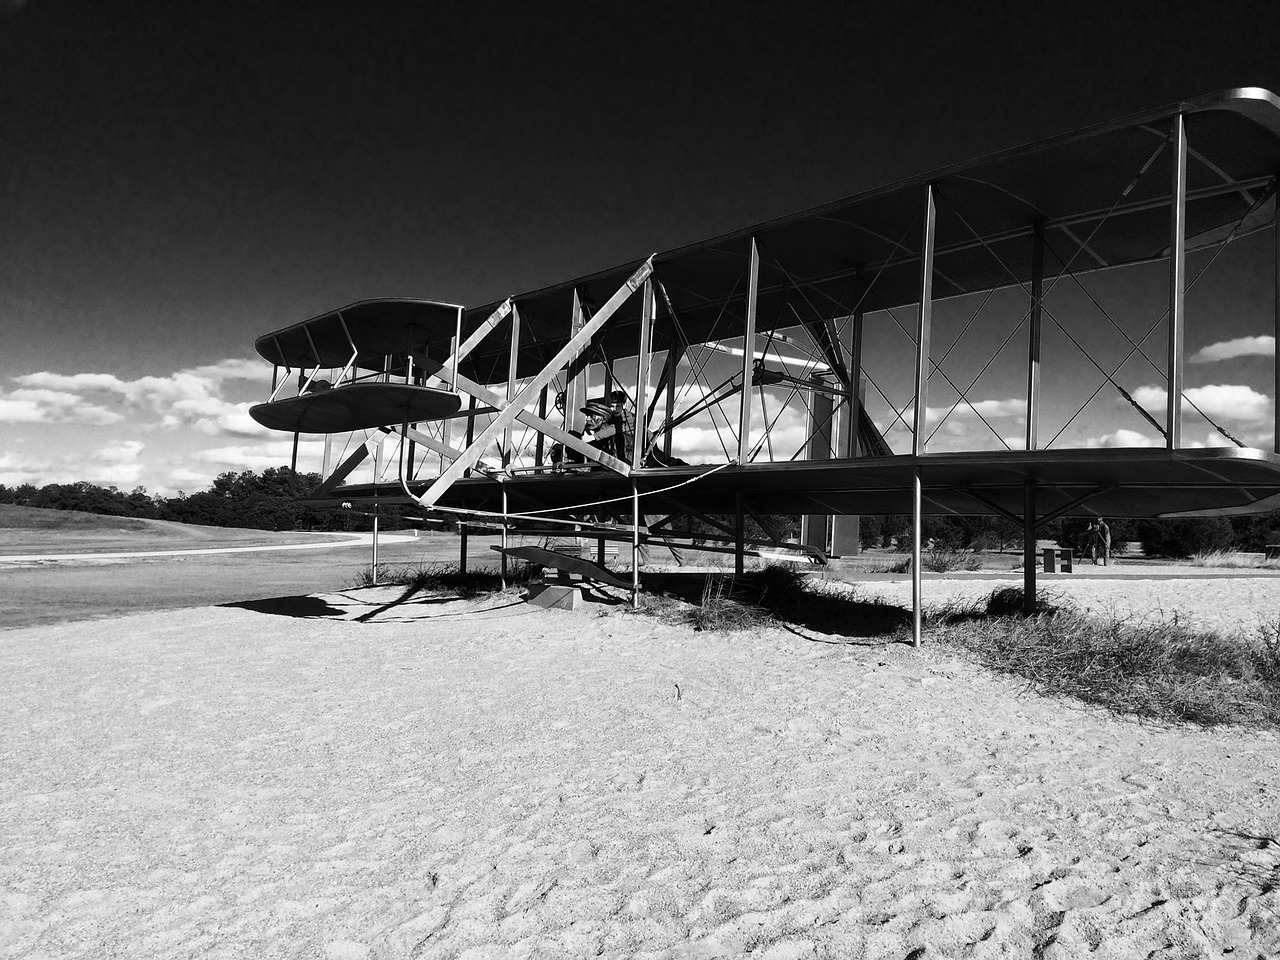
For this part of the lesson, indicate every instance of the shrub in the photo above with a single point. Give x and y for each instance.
(1180, 539)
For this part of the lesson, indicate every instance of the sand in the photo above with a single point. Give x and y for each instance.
(348, 776)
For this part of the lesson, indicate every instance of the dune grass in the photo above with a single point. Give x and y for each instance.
(445, 577)
(939, 559)
(1149, 669)
(1232, 559)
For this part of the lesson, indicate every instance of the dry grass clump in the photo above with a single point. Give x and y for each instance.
(444, 577)
(939, 559)
(1159, 671)
(781, 594)
(1233, 559)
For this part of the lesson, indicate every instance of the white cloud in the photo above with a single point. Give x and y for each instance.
(117, 464)
(1124, 438)
(988, 408)
(272, 453)
(1233, 401)
(1239, 347)
(191, 398)
(28, 405)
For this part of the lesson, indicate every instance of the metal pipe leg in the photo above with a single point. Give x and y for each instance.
(635, 546)
(916, 530)
(1029, 550)
(503, 575)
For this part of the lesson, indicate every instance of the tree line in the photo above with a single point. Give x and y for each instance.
(261, 501)
(270, 501)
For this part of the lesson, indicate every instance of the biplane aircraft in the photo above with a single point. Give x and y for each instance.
(794, 360)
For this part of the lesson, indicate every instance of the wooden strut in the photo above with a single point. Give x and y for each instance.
(514, 408)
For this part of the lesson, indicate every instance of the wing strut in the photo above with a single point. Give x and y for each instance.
(510, 410)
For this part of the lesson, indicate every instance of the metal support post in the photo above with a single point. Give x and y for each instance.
(503, 573)
(1177, 283)
(1275, 316)
(462, 548)
(673, 363)
(513, 360)
(1029, 550)
(748, 354)
(575, 390)
(813, 527)
(846, 530)
(539, 450)
(457, 339)
(917, 526)
(739, 536)
(471, 432)
(1033, 337)
(635, 545)
(640, 428)
(924, 323)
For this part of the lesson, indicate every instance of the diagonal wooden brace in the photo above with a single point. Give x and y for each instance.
(435, 446)
(511, 410)
(544, 426)
(344, 469)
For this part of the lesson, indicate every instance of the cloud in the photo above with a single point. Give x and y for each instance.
(1227, 401)
(272, 453)
(116, 464)
(990, 409)
(1239, 347)
(27, 405)
(187, 398)
(1124, 438)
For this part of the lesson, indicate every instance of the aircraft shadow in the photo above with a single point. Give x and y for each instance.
(302, 607)
(832, 615)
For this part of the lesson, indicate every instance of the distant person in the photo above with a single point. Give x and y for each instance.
(1099, 542)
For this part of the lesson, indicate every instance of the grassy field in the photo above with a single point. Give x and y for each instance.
(51, 592)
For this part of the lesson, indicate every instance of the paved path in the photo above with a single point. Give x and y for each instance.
(351, 540)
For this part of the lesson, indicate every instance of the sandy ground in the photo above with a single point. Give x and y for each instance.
(346, 776)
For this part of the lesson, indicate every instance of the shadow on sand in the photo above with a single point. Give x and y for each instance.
(823, 613)
(302, 607)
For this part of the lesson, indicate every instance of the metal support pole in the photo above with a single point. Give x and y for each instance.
(462, 548)
(539, 451)
(503, 574)
(739, 536)
(748, 355)
(575, 390)
(917, 526)
(471, 431)
(813, 526)
(635, 545)
(1275, 315)
(1033, 338)
(513, 360)
(846, 530)
(924, 323)
(374, 566)
(1177, 283)
(1029, 550)
(673, 363)
(640, 428)
(457, 339)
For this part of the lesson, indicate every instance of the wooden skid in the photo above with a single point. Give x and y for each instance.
(562, 561)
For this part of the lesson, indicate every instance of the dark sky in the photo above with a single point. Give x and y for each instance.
(218, 169)
(177, 178)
